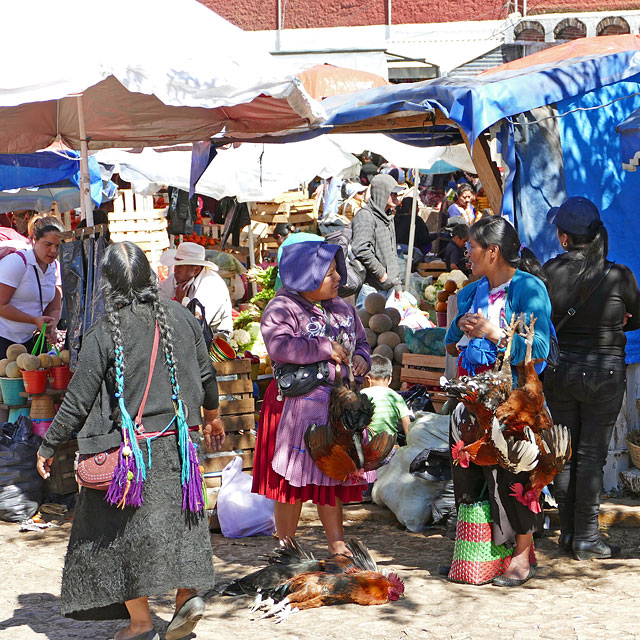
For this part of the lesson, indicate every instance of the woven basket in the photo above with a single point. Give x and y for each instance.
(476, 560)
(634, 452)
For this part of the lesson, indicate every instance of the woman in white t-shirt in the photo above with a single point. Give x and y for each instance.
(29, 296)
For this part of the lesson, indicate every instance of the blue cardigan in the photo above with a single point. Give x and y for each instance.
(527, 294)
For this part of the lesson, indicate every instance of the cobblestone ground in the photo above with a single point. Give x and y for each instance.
(567, 600)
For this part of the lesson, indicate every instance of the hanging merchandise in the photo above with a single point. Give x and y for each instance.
(181, 213)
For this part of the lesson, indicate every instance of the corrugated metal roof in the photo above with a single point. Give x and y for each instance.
(493, 58)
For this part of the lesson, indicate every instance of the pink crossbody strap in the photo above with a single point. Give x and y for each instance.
(152, 364)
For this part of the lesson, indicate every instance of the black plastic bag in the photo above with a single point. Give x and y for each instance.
(418, 398)
(434, 465)
(20, 483)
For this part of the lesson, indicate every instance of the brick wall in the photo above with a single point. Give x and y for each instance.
(261, 14)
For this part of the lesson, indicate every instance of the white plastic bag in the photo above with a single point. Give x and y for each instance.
(407, 496)
(240, 512)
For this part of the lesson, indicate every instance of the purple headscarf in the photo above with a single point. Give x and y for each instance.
(304, 265)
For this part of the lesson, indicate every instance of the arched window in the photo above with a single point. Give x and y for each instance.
(570, 29)
(529, 31)
(612, 26)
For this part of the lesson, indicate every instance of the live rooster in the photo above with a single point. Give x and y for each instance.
(338, 448)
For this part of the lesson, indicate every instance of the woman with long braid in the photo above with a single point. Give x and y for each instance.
(148, 534)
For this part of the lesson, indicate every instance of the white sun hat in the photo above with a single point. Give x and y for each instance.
(187, 253)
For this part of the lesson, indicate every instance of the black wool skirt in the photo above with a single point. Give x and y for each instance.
(121, 554)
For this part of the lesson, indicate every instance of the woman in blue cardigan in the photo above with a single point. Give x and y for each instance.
(510, 281)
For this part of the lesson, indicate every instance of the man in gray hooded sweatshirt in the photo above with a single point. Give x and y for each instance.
(374, 237)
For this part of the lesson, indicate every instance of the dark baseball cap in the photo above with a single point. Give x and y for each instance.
(576, 215)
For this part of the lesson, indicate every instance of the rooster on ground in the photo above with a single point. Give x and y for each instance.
(363, 584)
(290, 560)
(338, 448)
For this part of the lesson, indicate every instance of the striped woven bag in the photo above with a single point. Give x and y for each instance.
(476, 560)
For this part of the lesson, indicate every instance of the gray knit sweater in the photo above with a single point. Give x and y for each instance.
(90, 406)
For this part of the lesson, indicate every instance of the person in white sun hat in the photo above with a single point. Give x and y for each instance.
(194, 277)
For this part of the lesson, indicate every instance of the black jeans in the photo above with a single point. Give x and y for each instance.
(587, 400)
(5, 343)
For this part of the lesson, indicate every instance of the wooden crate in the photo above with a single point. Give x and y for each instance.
(135, 220)
(426, 370)
(63, 475)
(238, 417)
(434, 269)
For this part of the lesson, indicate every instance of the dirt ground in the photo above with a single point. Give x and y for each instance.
(567, 599)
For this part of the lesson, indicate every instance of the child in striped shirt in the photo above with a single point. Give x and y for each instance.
(390, 409)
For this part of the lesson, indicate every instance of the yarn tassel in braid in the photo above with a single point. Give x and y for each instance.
(191, 476)
(127, 484)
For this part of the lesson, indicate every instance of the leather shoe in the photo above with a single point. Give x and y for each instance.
(502, 581)
(443, 570)
(586, 550)
(565, 542)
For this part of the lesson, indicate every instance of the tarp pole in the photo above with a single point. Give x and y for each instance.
(412, 228)
(86, 205)
(252, 251)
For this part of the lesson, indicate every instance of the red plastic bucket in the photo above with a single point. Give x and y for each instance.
(60, 376)
(35, 381)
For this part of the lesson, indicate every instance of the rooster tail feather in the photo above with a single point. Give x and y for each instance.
(377, 449)
(361, 556)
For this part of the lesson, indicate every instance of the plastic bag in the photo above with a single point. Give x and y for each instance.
(20, 483)
(240, 512)
(428, 342)
(409, 497)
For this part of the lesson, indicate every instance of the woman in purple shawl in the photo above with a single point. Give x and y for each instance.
(305, 323)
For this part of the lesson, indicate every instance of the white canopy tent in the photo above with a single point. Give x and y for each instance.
(250, 172)
(401, 154)
(136, 88)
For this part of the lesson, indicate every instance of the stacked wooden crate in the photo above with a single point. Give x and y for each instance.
(433, 269)
(237, 413)
(135, 220)
(291, 207)
(426, 370)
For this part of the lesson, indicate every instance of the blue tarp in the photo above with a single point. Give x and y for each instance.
(48, 169)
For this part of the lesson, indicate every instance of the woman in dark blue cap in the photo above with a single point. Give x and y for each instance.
(594, 302)
(307, 323)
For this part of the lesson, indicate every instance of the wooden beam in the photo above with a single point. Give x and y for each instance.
(396, 120)
(486, 169)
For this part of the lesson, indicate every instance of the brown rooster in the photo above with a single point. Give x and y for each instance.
(290, 560)
(481, 395)
(524, 418)
(363, 584)
(554, 451)
(525, 405)
(339, 448)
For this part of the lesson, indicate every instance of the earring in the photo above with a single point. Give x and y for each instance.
(564, 244)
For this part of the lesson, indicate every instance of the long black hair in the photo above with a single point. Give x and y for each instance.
(499, 231)
(594, 246)
(128, 280)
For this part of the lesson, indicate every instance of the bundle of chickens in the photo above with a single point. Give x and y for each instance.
(341, 449)
(510, 427)
(294, 580)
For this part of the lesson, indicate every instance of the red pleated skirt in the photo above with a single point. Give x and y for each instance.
(268, 483)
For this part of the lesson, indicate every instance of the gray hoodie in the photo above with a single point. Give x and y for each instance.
(374, 237)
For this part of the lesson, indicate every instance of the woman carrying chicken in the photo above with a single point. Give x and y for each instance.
(509, 283)
(594, 302)
(304, 325)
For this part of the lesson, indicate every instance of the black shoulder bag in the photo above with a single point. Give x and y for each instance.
(197, 308)
(553, 359)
